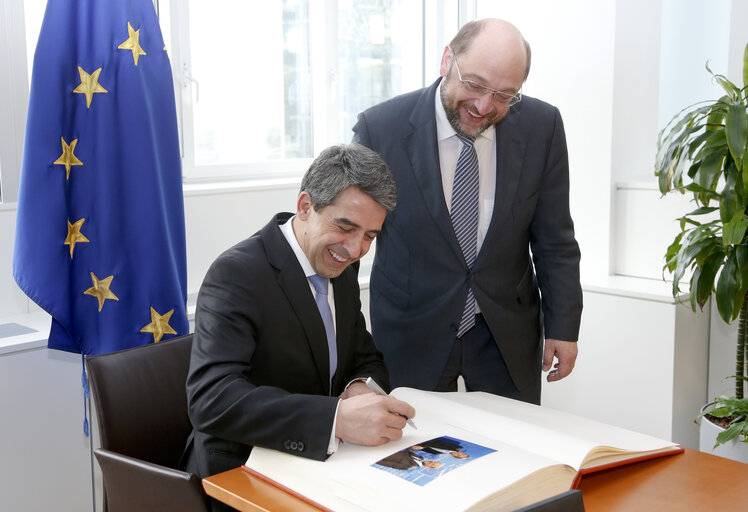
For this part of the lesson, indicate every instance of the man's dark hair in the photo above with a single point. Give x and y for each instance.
(349, 165)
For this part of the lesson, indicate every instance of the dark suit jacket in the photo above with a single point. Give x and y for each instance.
(420, 279)
(259, 369)
(440, 443)
(404, 459)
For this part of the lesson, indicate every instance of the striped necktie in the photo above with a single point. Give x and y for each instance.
(464, 215)
(320, 287)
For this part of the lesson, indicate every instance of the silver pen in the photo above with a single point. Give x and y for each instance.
(372, 384)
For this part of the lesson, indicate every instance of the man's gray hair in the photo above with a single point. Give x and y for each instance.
(349, 165)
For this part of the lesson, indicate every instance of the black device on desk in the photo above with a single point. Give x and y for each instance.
(569, 501)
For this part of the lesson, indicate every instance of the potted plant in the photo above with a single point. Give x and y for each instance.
(704, 151)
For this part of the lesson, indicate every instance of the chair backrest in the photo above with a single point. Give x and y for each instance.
(141, 400)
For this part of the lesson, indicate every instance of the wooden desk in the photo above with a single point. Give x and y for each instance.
(686, 481)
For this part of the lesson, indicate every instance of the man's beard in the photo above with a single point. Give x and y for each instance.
(453, 114)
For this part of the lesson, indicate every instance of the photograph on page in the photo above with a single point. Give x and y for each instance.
(425, 462)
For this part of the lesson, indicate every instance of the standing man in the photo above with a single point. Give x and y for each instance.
(267, 368)
(478, 263)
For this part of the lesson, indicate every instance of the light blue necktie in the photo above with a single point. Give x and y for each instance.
(320, 286)
(464, 215)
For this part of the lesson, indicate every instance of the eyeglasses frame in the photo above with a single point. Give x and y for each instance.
(503, 98)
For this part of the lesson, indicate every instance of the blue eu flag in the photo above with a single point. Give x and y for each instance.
(100, 238)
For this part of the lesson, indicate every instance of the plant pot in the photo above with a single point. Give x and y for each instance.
(735, 449)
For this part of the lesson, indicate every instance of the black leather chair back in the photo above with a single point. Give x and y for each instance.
(141, 406)
(141, 400)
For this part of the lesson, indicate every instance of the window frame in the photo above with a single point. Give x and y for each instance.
(443, 16)
(325, 97)
(14, 97)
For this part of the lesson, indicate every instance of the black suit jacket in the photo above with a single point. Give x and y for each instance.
(420, 279)
(259, 369)
(404, 459)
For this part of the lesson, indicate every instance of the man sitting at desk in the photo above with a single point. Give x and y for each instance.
(266, 368)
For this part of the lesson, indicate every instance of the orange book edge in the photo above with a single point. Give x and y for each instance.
(587, 471)
(285, 489)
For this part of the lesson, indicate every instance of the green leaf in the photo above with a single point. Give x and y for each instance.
(716, 115)
(730, 88)
(670, 162)
(696, 143)
(745, 171)
(695, 243)
(730, 433)
(736, 128)
(745, 66)
(741, 253)
(698, 189)
(710, 170)
(693, 287)
(727, 286)
(728, 203)
(707, 273)
(670, 254)
(703, 210)
(734, 231)
(717, 142)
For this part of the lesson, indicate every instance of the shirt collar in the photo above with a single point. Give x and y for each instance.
(287, 230)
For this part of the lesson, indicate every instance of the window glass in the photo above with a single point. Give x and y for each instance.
(251, 64)
(275, 85)
(380, 54)
(33, 13)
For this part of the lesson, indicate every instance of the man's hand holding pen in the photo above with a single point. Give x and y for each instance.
(366, 418)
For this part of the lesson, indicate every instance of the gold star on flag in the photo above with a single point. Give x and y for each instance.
(67, 158)
(159, 325)
(89, 85)
(75, 236)
(132, 43)
(100, 289)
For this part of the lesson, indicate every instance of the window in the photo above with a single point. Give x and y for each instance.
(14, 88)
(265, 89)
(261, 89)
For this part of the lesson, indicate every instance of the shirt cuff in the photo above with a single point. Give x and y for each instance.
(332, 446)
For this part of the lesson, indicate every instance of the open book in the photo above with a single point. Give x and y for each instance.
(471, 452)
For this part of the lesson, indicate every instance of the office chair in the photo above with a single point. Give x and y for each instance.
(141, 405)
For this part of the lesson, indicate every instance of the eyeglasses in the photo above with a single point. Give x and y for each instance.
(502, 98)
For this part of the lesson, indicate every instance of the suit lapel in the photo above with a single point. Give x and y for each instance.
(422, 148)
(510, 151)
(295, 286)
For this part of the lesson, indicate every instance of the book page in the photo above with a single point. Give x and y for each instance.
(503, 476)
(560, 436)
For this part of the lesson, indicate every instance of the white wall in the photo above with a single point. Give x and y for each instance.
(12, 300)
(218, 216)
(608, 65)
(45, 457)
(577, 77)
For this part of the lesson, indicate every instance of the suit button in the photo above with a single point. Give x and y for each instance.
(301, 446)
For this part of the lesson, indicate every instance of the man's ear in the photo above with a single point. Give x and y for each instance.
(446, 60)
(304, 205)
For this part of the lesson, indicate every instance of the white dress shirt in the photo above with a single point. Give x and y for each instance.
(449, 151)
(287, 230)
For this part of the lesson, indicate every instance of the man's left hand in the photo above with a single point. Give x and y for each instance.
(566, 354)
